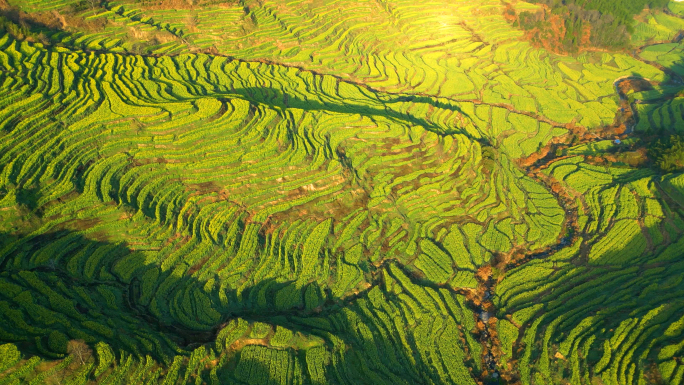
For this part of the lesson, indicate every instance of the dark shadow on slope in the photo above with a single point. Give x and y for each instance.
(631, 289)
(643, 297)
(47, 28)
(384, 104)
(629, 294)
(65, 283)
(112, 278)
(275, 98)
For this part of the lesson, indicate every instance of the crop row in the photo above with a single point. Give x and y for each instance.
(615, 318)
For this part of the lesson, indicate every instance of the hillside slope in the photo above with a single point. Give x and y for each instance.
(311, 193)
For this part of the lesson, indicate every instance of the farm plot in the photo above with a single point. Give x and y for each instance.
(474, 59)
(215, 195)
(293, 193)
(600, 320)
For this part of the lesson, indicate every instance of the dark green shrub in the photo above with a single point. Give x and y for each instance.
(668, 154)
(57, 342)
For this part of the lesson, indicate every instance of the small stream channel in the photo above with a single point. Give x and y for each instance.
(485, 310)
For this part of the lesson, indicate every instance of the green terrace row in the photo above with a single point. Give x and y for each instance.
(123, 109)
(397, 334)
(512, 74)
(143, 220)
(614, 317)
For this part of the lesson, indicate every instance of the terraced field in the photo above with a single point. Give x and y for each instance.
(348, 192)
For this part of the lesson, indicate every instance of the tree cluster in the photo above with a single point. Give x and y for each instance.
(668, 153)
(570, 25)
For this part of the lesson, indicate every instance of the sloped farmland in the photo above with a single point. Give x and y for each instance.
(279, 193)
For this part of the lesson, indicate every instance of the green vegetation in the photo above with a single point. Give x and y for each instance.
(271, 192)
(669, 154)
(622, 10)
(574, 25)
(600, 322)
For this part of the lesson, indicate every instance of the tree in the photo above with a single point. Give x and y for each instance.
(669, 154)
(79, 350)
